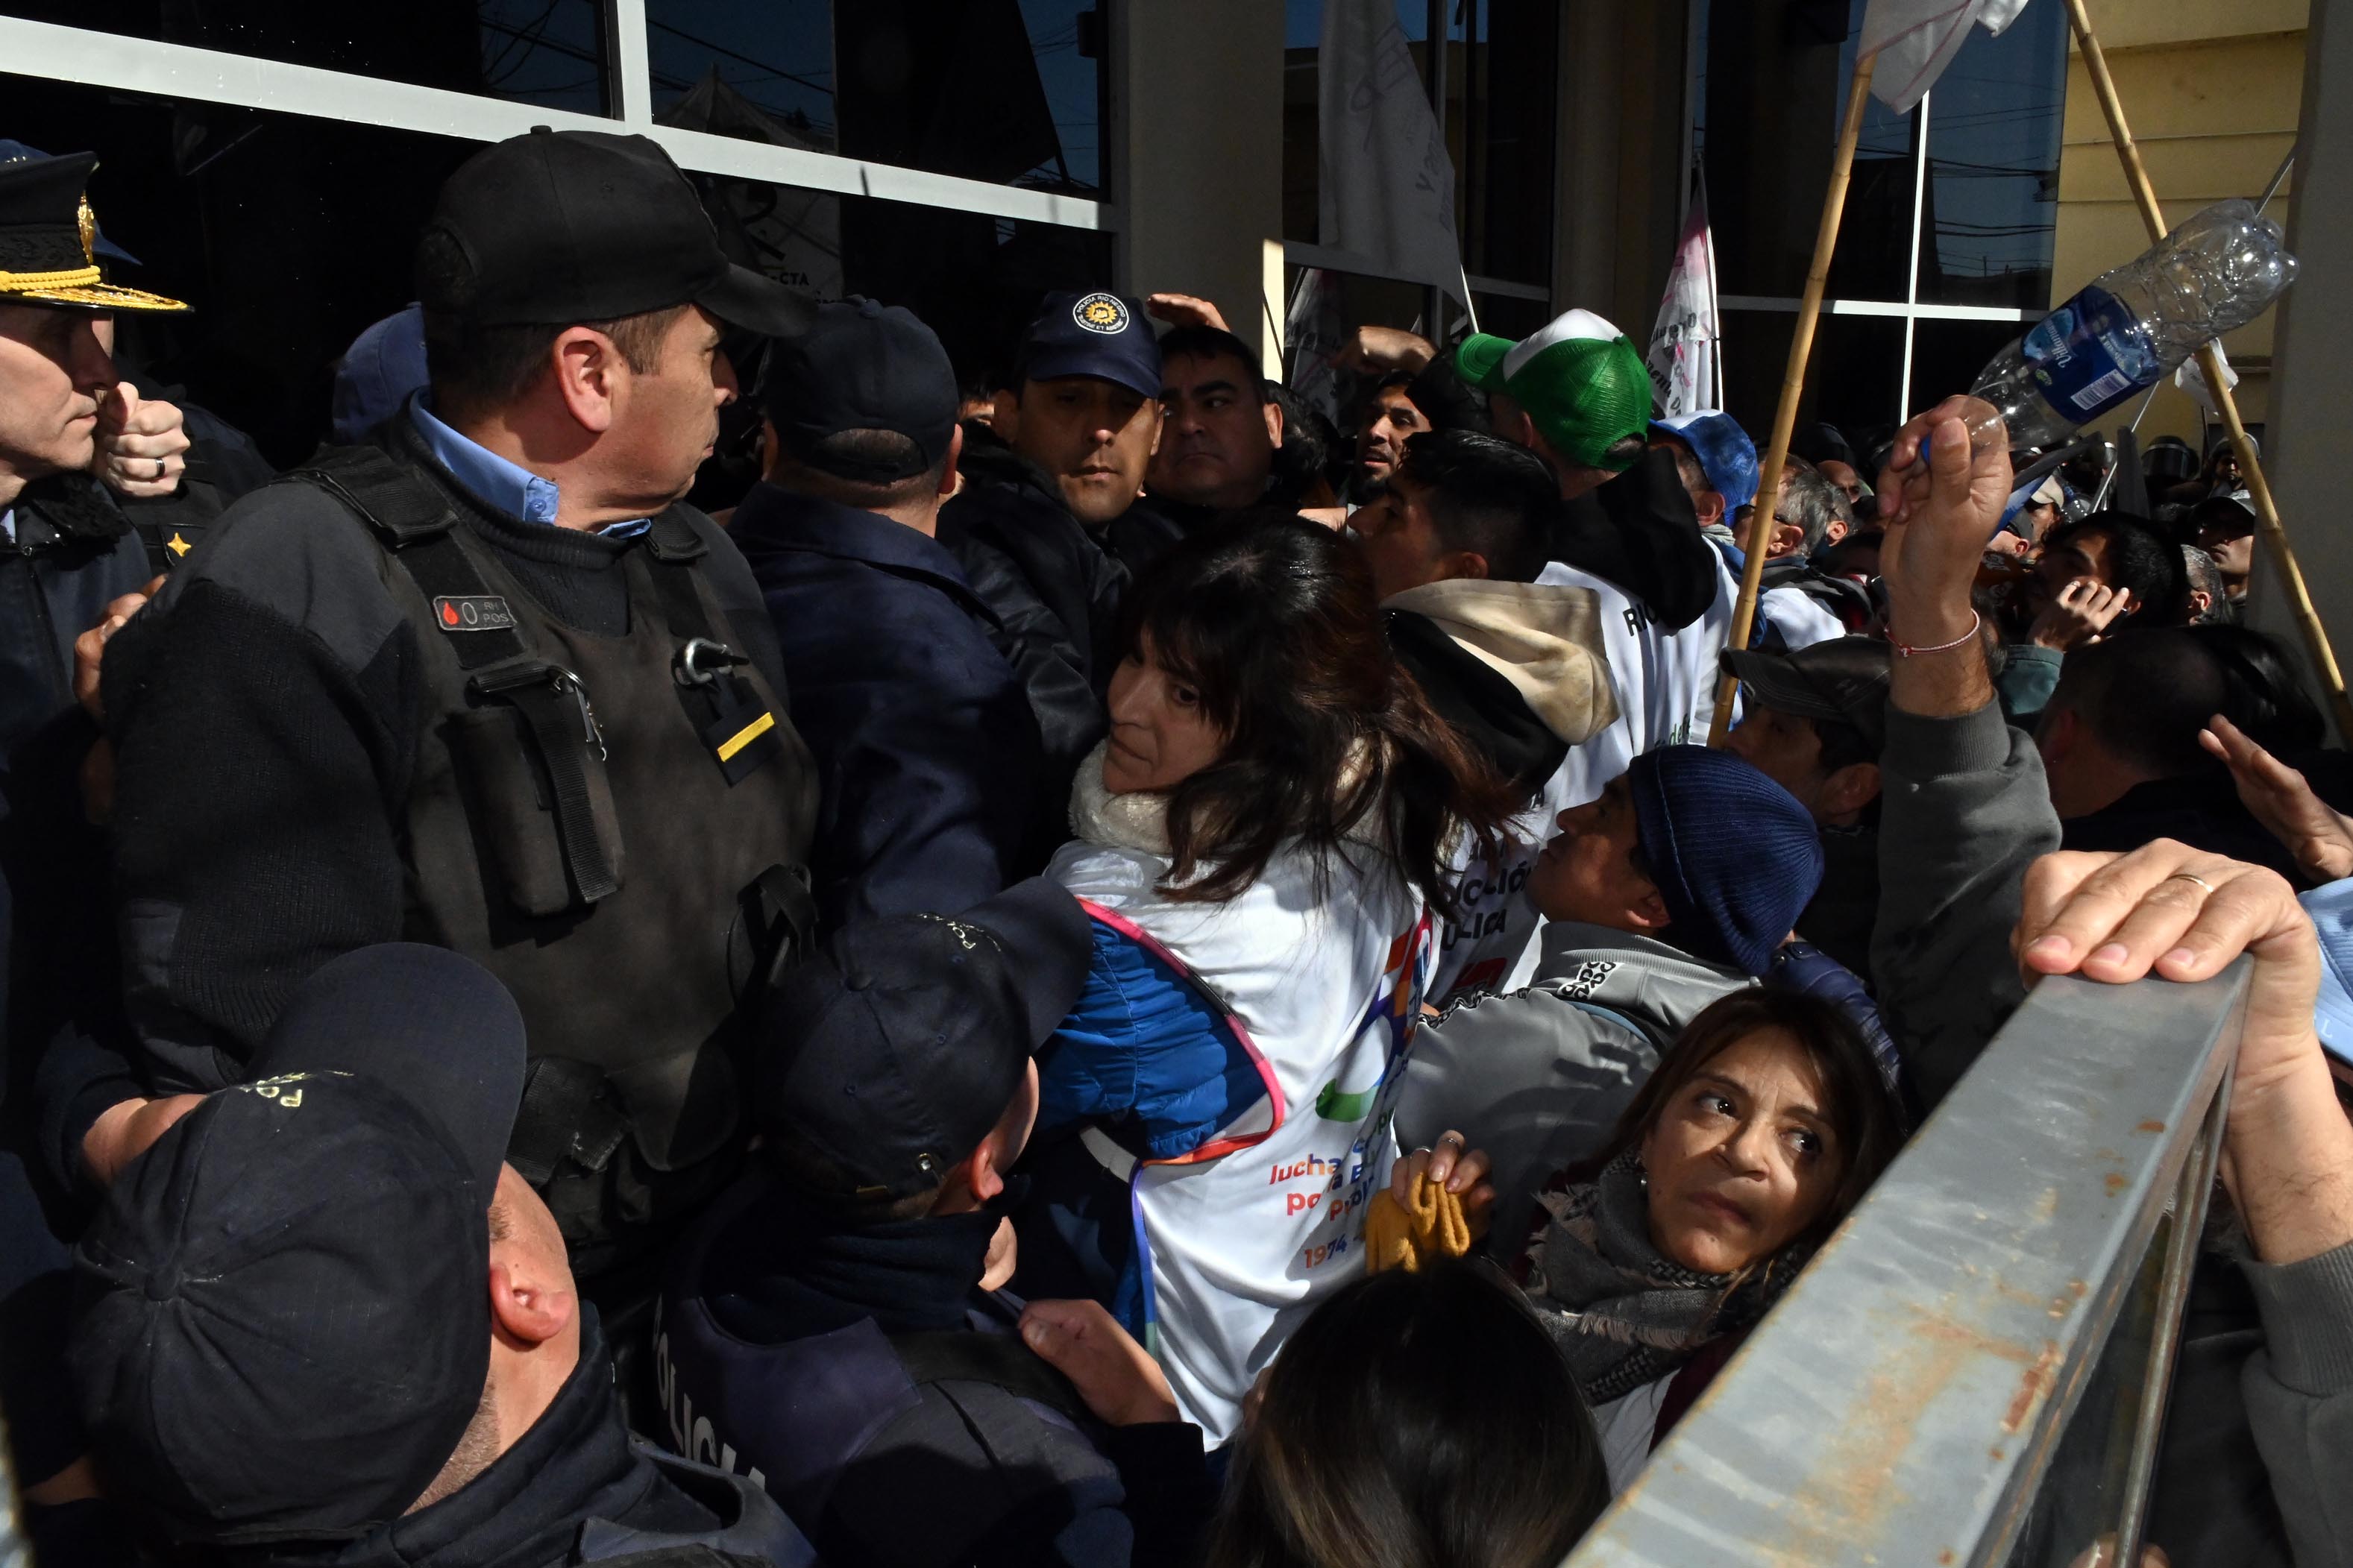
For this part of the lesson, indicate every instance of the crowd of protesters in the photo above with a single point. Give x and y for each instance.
(1101, 970)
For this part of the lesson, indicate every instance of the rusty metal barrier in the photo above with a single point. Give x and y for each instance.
(1974, 1369)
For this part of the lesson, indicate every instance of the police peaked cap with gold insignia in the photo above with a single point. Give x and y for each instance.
(48, 239)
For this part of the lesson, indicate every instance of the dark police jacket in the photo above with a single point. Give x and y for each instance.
(75, 548)
(443, 724)
(927, 752)
(1057, 593)
(576, 1488)
(860, 1375)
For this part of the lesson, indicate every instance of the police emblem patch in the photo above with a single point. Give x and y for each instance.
(1104, 313)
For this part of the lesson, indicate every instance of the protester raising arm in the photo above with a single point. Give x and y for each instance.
(2287, 1148)
(1965, 805)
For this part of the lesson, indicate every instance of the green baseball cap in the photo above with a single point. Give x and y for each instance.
(1583, 384)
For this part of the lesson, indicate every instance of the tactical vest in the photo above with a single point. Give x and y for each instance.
(613, 825)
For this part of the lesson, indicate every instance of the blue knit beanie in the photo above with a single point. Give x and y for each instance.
(1736, 858)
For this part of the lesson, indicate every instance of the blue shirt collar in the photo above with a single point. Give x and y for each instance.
(505, 488)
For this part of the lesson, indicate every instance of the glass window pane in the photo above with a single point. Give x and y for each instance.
(1994, 123)
(1008, 91)
(289, 235)
(1948, 355)
(547, 52)
(1505, 159)
(1851, 379)
(1775, 82)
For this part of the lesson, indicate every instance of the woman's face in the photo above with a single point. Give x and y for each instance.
(1742, 1158)
(1159, 734)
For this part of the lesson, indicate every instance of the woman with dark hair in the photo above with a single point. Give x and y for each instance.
(1415, 1420)
(1762, 1128)
(1260, 840)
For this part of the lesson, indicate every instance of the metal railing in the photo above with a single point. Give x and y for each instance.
(1974, 1371)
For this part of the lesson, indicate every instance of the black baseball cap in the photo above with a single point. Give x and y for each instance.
(1098, 335)
(285, 1329)
(862, 366)
(890, 1053)
(554, 228)
(1843, 681)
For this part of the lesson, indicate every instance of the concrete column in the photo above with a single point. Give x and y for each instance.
(1196, 161)
(2310, 446)
(1621, 124)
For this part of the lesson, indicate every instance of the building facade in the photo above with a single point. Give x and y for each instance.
(272, 161)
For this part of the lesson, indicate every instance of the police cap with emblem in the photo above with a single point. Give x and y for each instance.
(1097, 334)
(287, 1328)
(49, 243)
(890, 1053)
(555, 227)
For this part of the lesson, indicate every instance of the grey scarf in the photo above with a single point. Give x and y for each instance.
(1622, 1312)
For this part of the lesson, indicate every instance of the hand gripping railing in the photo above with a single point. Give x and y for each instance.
(1974, 1369)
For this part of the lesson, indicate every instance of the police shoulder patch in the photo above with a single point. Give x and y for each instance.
(1104, 313)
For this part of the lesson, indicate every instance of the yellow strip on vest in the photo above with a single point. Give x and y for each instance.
(745, 736)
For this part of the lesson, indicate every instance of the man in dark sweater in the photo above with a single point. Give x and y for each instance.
(836, 1327)
(485, 682)
(926, 750)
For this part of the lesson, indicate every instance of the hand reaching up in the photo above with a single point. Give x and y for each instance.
(2279, 797)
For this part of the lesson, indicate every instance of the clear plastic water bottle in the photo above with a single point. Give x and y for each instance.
(2217, 272)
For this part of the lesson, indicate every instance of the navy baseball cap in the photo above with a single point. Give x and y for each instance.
(862, 366)
(1098, 335)
(890, 1053)
(556, 227)
(1726, 453)
(382, 366)
(285, 1327)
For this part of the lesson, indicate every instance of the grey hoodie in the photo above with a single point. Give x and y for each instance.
(1537, 1077)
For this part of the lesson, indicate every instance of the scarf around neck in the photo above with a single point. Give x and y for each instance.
(1622, 1312)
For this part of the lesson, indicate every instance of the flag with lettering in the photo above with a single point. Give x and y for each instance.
(1917, 39)
(1685, 344)
(1386, 190)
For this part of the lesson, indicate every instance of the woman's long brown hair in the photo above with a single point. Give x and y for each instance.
(1272, 620)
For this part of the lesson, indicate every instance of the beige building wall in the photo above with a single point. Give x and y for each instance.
(2211, 91)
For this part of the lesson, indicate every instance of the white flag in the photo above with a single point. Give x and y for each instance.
(1683, 353)
(1386, 192)
(1315, 334)
(1917, 39)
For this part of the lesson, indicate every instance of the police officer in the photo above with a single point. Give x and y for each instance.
(485, 683)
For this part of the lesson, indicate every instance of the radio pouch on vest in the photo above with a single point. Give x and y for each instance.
(537, 757)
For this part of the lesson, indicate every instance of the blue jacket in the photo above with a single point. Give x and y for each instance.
(1144, 1057)
(927, 752)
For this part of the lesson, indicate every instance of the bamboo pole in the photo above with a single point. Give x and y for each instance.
(2267, 519)
(1793, 383)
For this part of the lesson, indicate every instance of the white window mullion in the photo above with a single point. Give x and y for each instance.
(627, 65)
(1912, 275)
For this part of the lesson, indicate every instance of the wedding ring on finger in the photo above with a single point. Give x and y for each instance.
(2192, 876)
